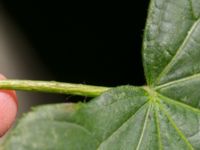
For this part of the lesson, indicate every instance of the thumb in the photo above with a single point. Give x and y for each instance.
(8, 108)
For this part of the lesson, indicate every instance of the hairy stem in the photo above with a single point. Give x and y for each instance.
(53, 87)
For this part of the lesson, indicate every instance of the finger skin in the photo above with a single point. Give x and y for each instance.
(8, 108)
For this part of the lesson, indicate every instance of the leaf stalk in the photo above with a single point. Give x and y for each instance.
(53, 87)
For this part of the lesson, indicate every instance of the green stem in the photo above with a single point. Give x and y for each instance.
(53, 87)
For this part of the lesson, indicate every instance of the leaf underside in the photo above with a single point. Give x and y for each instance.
(165, 115)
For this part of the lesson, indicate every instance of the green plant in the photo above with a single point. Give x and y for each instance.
(165, 114)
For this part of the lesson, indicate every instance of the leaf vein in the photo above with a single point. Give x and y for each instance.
(176, 102)
(98, 148)
(158, 129)
(180, 133)
(181, 80)
(144, 127)
(178, 51)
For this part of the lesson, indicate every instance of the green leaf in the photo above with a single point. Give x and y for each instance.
(171, 43)
(172, 49)
(118, 116)
(165, 115)
(122, 118)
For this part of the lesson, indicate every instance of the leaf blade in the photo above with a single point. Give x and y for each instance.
(166, 30)
(122, 118)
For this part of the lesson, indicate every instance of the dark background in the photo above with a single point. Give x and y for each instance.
(93, 43)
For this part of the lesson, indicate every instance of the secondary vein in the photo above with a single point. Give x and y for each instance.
(180, 133)
(175, 82)
(158, 127)
(144, 127)
(178, 51)
(133, 115)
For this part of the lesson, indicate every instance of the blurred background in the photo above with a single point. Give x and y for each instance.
(90, 43)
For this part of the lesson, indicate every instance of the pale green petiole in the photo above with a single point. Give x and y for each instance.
(53, 87)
